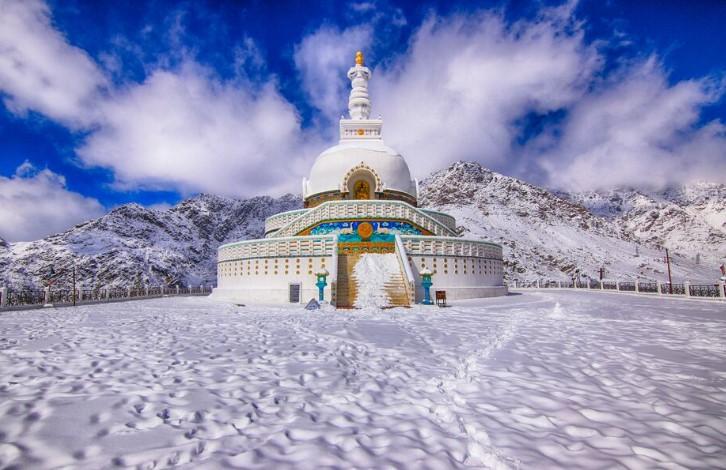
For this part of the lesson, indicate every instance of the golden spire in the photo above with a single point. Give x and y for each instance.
(359, 58)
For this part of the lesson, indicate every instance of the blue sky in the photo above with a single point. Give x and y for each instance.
(105, 103)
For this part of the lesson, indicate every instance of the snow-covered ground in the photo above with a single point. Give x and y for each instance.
(538, 380)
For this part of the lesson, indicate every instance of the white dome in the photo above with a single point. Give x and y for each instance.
(331, 167)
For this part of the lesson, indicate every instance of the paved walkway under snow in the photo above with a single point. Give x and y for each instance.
(538, 380)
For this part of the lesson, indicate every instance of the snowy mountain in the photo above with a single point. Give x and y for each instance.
(543, 233)
(551, 235)
(690, 220)
(134, 245)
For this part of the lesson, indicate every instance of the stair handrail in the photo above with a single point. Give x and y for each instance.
(403, 262)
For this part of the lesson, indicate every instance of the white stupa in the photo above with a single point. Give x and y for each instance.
(361, 146)
(359, 199)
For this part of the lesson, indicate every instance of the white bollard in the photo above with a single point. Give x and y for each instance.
(177, 290)
(46, 296)
(537, 283)
(128, 292)
(687, 288)
(4, 297)
(617, 285)
(721, 290)
(637, 288)
(657, 286)
(602, 284)
(559, 284)
(146, 291)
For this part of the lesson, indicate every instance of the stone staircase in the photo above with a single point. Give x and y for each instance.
(347, 289)
(396, 290)
(345, 285)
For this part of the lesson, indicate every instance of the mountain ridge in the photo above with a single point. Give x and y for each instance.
(543, 233)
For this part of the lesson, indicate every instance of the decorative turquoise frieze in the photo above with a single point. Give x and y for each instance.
(383, 231)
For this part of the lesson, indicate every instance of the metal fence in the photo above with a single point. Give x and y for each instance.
(627, 286)
(676, 289)
(648, 287)
(703, 291)
(30, 298)
(24, 297)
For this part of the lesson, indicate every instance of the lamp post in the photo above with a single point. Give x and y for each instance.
(426, 284)
(322, 282)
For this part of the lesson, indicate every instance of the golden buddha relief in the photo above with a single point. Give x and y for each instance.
(362, 190)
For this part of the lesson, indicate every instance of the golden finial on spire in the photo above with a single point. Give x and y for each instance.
(359, 58)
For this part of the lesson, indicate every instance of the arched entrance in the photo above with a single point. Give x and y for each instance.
(361, 182)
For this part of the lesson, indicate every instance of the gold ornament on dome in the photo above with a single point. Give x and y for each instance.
(359, 58)
(361, 132)
(365, 230)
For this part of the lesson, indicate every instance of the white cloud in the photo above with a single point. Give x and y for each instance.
(181, 129)
(466, 83)
(637, 130)
(34, 204)
(323, 58)
(189, 131)
(459, 90)
(40, 70)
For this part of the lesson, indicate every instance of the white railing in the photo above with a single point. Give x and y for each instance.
(364, 209)
(713, 291)
(16, 299)
(277, 221)
(323, 245)
(450, 246)
(442, 217)
(333, 277)
(406, 268)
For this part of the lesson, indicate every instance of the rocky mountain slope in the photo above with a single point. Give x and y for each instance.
(687, 219)
(554, 236)
(133, 245)
(543, 234)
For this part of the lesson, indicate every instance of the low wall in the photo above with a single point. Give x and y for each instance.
(266, 296)
(462, 293)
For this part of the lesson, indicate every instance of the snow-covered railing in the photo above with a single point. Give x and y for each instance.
(319, 245)
(408, 272)
(277, 221)
(702, 291)
(364, 209)
(52, 297)
(450, 246)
